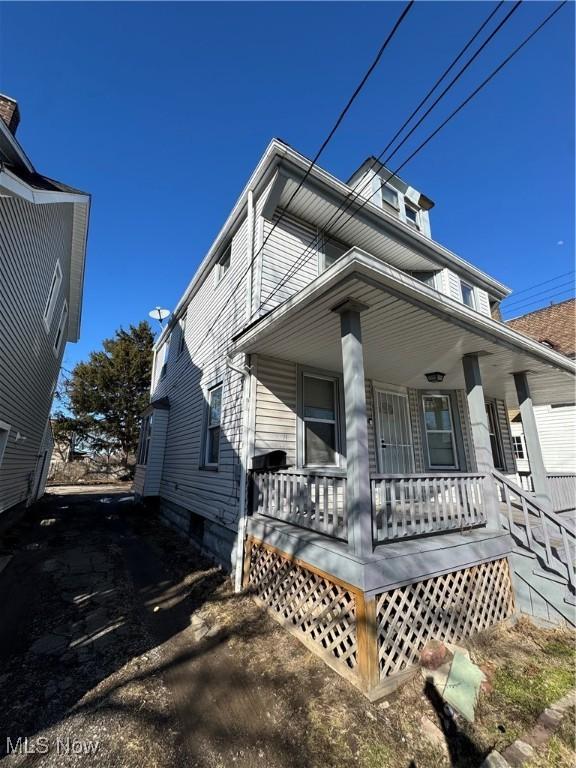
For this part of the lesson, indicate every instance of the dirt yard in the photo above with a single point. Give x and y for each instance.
(115, 637)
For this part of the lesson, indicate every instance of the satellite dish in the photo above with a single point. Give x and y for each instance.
(159, 314)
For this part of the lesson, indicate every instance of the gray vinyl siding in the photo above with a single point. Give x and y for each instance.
(371, 416)
(276, 407)
(466, 427)
(189, 376)
(418, 444)
(33, 238)
(147, 478)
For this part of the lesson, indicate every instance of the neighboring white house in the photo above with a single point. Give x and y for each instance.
(554, 326)
(330, 389)
(43, 227)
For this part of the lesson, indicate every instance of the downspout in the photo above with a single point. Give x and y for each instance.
(245, 372)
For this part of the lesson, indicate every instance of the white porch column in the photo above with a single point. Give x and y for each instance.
(481, 436)
(359, 503)
(537, 468)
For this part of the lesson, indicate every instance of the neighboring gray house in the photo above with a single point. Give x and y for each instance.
(328, 418)
(43, 226)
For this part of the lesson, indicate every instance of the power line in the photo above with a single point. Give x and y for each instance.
(363, 81)
(537, 285)
(353, 195)
(524, 299)
(442, 125)
(562, 294)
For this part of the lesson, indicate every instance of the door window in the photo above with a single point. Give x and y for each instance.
(394, 433)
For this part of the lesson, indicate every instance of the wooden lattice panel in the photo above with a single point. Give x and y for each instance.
(322, 612)
(449, 607)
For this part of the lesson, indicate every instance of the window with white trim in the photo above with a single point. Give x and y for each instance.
(4, 434)
(224, 262)
(495, 435)
(61, 327)
(182, 341)
(165, 353)
(468, 295)
(52, 295)
(389, 195)
(518, 447)
(439, 427)
(213, 427)
(330, 251)
(320, 439)
(145, 435)
(411, 214)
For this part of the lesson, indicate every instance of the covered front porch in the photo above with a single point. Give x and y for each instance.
(389, 401)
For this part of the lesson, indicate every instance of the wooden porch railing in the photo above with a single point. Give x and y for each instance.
(421, 504)
(314, 500)
(546, 534)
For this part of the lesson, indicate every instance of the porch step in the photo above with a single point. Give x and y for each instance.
(550, 575)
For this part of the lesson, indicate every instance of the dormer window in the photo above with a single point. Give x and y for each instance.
(468, 295)
(389, 195)
(411, 215)
(224, 262)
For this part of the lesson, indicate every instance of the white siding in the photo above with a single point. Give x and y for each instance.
(156, 452)
(482, 301)
(33, 238)
(557, 433)
(276, 393)
(189, 376)
(285, 247)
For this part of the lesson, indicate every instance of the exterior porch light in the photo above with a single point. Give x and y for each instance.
(435, 377)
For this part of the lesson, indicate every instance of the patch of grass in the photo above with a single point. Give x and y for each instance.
(530, 690)
(562, 648)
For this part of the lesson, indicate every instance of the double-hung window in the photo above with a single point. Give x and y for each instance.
(468, 295)
(145, 435)
(52, 296)
(4, 434)
(320, 421)
(439, 426)
(224, 263)
(389, 195)
(332, 250)
(213, 427)
(518, 447)
(61, 328)
(182, 340)
(411, 215)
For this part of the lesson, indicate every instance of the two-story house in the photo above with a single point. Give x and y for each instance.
(43, 227)
(328, 418)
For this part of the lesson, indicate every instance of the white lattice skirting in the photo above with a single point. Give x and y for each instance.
(372, 639)
(448, 607)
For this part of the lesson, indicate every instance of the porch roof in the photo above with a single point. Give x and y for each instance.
(408, 329)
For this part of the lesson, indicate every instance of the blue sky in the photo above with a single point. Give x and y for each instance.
(161, 111)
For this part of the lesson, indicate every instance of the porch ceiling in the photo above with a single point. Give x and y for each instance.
(408, 330)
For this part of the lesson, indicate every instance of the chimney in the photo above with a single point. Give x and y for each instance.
(9, 112)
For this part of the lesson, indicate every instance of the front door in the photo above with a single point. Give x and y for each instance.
(394, 435)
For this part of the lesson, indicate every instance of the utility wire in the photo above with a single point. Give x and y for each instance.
(323, 146)
(537, 285)
(352, 197)
(540, 301)
(445, 122)
(552, 289)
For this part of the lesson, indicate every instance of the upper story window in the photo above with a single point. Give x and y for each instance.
(213, 426)
(166, 352)
(61, 328)
(389, 195)
(468, 295)
(429, 278)
(331, 251)
(411, 214)
(52, 295)
(224, 263)
(182, 340)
